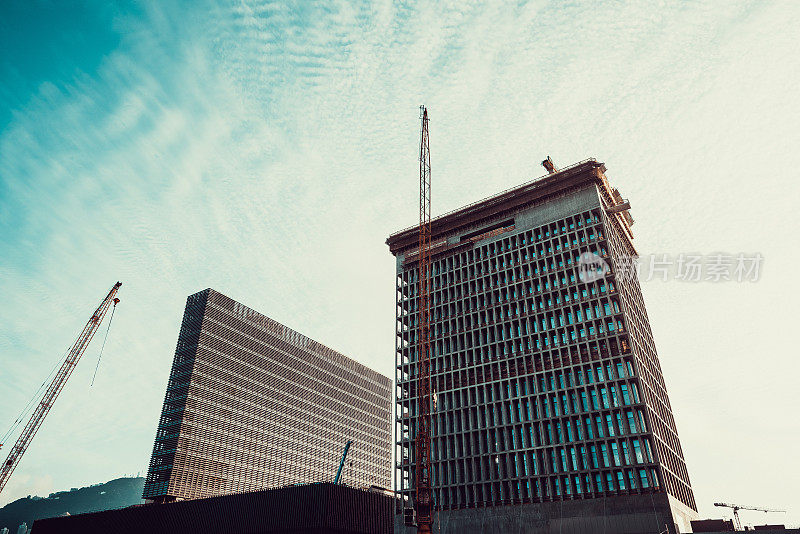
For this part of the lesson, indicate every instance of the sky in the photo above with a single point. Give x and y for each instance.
(267, 150)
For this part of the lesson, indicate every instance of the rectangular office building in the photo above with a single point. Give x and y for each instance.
(252, 404)
(547, 391)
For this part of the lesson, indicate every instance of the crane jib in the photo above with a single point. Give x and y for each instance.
(56, 385)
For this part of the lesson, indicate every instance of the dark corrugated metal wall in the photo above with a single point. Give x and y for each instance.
(315, 508)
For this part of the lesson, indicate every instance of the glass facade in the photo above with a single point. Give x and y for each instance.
(546, 382)
(252, 404)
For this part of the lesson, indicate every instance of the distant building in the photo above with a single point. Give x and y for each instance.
(713, 525)
(551, 412)
(311, 509)
(252, 404)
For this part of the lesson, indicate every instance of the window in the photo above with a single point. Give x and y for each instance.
(626, 398)
(631, 421)
(643, 478)
(654, 478)
(631, 479)
(637, 452)
(625, 457)
(620, 426)
(615, 453)
(614, 396)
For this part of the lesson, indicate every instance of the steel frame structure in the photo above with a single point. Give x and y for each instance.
(422, 502)
(509, 335)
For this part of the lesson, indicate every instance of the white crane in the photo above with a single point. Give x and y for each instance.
(737, 507)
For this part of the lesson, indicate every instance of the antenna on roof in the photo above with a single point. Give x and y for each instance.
(549, 165)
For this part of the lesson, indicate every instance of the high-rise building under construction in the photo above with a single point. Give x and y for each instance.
(252, 404)
(550, 413)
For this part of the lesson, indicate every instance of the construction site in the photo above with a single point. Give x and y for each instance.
(528, 394)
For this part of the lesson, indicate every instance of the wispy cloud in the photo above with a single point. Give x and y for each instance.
(267, 150)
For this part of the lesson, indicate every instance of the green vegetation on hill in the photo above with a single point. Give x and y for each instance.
(117, 493)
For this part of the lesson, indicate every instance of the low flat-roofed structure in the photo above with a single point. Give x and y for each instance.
(713, 525)
(720, 526)
(307, 509)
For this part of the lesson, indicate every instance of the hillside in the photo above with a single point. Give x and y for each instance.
(117, 493)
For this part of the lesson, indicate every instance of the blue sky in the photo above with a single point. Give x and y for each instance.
(267, 150)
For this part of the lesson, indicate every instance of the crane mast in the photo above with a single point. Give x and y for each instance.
(56, 385)
(422, 441)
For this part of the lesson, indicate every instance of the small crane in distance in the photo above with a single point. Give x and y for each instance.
(736, 507)
(341, 464)
(56, 385)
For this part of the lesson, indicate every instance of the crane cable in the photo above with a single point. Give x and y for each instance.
(104, 344)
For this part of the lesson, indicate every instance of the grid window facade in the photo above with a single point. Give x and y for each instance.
(545, 387)
(252, 404)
